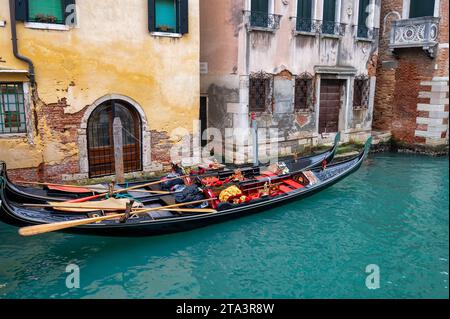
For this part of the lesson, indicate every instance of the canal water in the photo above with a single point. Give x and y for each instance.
(392, 213)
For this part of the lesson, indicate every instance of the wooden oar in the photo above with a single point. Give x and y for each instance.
(152, 192)
(85, 199)
(46, 228)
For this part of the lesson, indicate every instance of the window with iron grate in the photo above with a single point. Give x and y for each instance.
(361, 92)
(12, 109)
(304, 92)
(260, 92)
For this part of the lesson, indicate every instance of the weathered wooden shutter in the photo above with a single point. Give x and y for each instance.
(363, 12)
(184, 16)
(21, 10)
(67, 3)
(151, 15)
(304, 9)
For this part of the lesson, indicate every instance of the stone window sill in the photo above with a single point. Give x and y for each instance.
(46, 26)
(13, 136)
(305, 33)
(166, 34)
(364, 40)
(330, 36)
(262, 29)
(359, 108)
(302, 112)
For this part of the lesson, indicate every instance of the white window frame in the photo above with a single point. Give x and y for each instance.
(407, 5)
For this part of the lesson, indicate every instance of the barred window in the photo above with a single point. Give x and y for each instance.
(260, 94)
(361, 92)
(304, 92)
(12, 109)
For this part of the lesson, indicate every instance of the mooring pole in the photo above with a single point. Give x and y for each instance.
(255, 140)
(118, 150)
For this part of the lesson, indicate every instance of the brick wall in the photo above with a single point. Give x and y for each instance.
(412, 89)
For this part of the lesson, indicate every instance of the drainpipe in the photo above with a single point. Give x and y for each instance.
(12, 15)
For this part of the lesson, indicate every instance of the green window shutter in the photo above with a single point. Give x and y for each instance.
(304, 9)
(184, 16)
(21, 10)
(329, 10)
(50, 11)
(67, 7)
(151, 15)
(260, 6)
(421, 8)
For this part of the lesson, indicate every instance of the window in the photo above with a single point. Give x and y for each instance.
(421, 8)
(44, 11)
(363, 16)
(259, 13)
(329, 16)
(304, 13)
(168, 16)
(260, 94)
(12, 109)
(361, 92)
(304, 92)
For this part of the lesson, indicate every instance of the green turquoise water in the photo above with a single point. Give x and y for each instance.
(393, 212)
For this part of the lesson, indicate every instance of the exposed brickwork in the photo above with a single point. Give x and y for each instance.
(410, 100)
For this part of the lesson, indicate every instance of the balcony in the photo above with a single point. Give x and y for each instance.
(262, 21)
(417, 32)
(314, 27)
(333, 29)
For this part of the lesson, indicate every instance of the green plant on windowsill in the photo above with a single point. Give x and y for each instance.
(165, 28)
(43, 18)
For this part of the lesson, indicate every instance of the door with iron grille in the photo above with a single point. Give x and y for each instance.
(101, 139)
(330, 104)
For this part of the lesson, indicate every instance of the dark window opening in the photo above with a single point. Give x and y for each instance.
(259, 13)
(304, 14)
(421, 8)
(361, 92)
(12, 109)
(329, 25)
(260, 92)
(363, 16)
(304, 92)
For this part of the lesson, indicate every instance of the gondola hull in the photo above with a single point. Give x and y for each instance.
(39, 195)
(20, 216)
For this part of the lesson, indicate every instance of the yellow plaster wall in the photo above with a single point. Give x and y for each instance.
(111, 51)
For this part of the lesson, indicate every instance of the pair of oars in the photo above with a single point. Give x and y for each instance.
(133, 188)
(46, 228)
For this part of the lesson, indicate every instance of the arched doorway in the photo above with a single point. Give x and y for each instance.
(100, 138)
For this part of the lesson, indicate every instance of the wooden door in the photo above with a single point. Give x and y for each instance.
(330, 104)
(101, 139)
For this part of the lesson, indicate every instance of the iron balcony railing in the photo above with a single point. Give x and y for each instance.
(308, 25)
(303, 25)
(264, 20)
(333, 28)
(363, 32)
(416, 32)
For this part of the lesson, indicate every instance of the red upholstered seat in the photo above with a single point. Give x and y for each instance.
(284, 189)
(293, 184)
(267, 173)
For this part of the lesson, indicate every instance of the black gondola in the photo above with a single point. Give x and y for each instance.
(170, 221)
(24, 194)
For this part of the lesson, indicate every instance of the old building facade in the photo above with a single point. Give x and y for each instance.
(412, 91)
(78, 65)
(304, 67)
